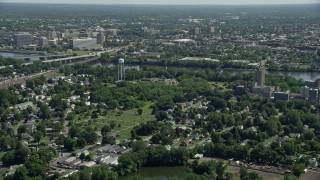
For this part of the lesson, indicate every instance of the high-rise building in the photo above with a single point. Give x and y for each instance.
(52, 34)
(212, 29)
(197, 31)
(22, 39)
(260, 75)
(43, 42)
(101, 38)
(314, 95)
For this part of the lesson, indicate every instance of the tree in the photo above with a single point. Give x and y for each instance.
(228, 175)
(69, 144)
(140, 111)
(45, 112)
(245, 175)
(8, 159)
(108, 140)
(273, 126)
(103, 173)
(81, 142)
(298, 169)
(220, 169)
(21, 173)
(22, 129)
(94, 115)
(105, 129)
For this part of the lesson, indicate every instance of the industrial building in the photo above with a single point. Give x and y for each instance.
(22, 39)
(101, 38)
(314, 95)
(86, 43)
(284, 96)
(265, 91)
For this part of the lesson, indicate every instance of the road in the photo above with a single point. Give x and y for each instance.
(22, 80)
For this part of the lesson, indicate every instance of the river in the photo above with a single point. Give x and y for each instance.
(162, 173)
(303, 75)
(31, 57)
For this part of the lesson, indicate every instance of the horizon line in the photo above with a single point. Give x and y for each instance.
(156, 4)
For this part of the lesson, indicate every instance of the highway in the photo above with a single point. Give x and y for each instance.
(22, 80)
(93, 54)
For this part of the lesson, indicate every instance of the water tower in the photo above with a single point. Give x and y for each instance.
(121, 72)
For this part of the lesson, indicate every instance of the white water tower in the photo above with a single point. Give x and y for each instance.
(121, 72)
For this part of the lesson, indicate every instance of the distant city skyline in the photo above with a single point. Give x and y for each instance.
(169, 2)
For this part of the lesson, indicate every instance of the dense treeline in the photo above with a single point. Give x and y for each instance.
(108, 75)
(151, 156)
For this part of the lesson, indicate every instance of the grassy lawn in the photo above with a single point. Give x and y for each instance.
(124, 120)
(44, 140)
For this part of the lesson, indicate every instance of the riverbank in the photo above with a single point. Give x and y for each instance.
(22, 52)
(298, 75)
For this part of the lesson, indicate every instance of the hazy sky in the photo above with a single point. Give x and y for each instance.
(168, 1)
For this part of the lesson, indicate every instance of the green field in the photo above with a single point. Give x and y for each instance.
(124, 120)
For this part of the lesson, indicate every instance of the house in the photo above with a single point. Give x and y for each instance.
(25, 105)
(113, 161)
(283, 139)
(294, 135)
(7, 125)
(68, 173)
(313, 162)
(75, 162)
(195, 137)
(198, 156)
(88, 164)
(245, 142)
(168, 147)
(101, 158)
(68, 160)
(30, 127)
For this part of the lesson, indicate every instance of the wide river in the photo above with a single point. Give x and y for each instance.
(303, 75)
(32, 57)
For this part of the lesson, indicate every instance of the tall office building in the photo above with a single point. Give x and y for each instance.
(197, 31)
(22, 39)
(260, 75)
(52, 34)
(101, 38)
(43, 42)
